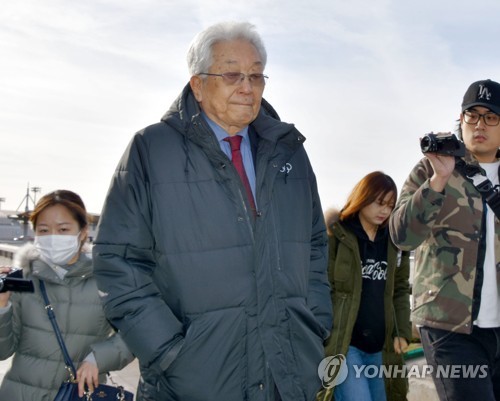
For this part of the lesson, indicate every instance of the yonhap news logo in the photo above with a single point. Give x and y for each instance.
(333, 370)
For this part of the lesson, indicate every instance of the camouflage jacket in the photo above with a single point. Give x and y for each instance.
(448, 232)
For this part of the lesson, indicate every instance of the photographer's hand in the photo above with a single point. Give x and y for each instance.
(4, 296)
(443, 167)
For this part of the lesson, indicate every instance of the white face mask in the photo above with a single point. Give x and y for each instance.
(57, 249)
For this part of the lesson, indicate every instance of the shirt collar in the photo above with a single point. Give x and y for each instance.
(219, 132)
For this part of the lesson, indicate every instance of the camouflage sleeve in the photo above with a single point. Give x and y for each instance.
(418, 205)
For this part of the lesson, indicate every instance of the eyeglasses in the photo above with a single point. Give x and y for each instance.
(473, 117)
(236, 78)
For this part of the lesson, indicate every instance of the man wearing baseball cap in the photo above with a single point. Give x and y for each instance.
(483, 93)
(448, 212)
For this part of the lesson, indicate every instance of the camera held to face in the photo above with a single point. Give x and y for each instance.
(445, 144)
(13, 281)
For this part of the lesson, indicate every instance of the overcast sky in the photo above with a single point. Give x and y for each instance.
(361, 79)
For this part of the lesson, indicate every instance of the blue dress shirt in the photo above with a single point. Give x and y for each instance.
(245, 149)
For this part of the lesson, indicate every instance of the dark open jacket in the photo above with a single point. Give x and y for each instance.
(218, 305)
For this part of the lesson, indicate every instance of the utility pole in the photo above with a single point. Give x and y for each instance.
(35, 190)
(26, 215)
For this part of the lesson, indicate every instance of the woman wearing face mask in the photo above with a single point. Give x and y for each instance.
(59, 258)
(370, 294)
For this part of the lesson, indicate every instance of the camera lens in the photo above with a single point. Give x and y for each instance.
(427, 144)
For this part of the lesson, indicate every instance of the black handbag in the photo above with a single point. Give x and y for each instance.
(69, 392)
(69, 389)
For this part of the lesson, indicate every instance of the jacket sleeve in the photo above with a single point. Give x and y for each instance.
(10, 321)
(124, 260)
(416, 210)
(333, 246)
(401, 297)
(8, 333)
(112, 354)
(319, 298)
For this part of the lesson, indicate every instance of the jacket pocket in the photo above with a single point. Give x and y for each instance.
(210, 364)
(335, 342)
(306, 345)
(443, 287)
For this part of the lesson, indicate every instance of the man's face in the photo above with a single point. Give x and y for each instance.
(233, 107)
(480, 139)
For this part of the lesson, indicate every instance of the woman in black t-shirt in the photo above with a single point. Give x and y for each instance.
(370, 293)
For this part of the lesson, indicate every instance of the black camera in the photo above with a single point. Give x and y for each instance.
(444, 144)
(13, 281)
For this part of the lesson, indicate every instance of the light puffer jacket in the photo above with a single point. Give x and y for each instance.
(38, 367)
(229, 306)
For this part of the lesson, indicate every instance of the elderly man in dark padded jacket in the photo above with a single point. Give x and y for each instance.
(219, 288)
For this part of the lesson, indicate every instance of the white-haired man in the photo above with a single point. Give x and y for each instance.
(211, 249)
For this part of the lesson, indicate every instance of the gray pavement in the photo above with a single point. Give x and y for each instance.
(421, 388)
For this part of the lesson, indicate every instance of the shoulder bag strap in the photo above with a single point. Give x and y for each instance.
(473, 174)
(60, 340)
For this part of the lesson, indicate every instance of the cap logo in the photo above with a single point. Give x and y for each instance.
(483, 93)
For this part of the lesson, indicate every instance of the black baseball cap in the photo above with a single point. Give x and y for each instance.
(484, 93)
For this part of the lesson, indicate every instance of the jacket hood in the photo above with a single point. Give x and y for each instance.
(182, 108)
(332, 216)
(28, 253)
(25, 255)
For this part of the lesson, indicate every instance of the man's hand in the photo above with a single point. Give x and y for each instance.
(443, 167)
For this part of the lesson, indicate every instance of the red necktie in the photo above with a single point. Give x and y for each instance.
(235, 142)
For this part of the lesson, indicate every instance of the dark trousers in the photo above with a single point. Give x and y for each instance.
(465, 366)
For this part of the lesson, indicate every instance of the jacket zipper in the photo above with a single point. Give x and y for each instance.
(341, 312)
